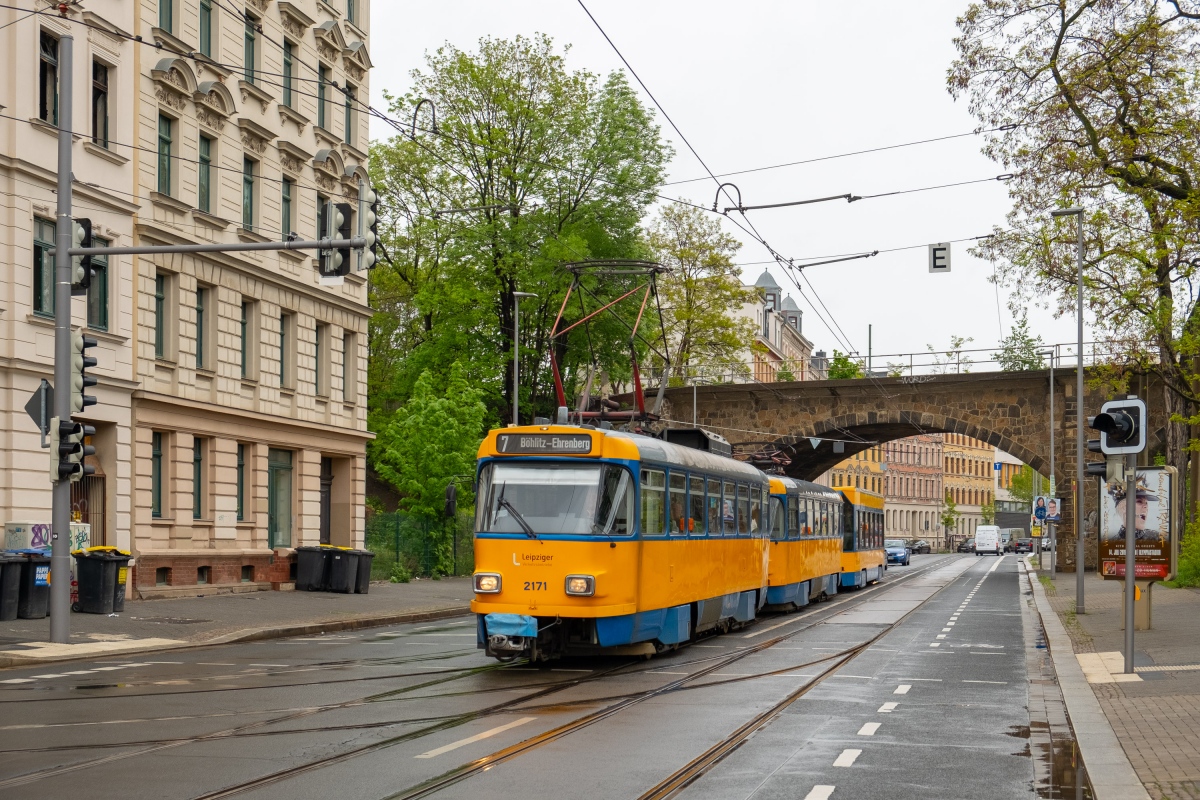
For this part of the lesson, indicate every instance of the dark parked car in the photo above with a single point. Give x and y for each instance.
(920, 547)
(967, 547)
(1023, 546)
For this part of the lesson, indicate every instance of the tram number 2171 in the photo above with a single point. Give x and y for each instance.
(535, 586)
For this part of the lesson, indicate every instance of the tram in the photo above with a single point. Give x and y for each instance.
(590, 539)
(863, 558)
(806, 543)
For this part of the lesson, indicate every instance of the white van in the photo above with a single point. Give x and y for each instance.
(987, 540)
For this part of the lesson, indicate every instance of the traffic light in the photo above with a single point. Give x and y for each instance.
(1122, 426)
(80, 380)
(1095, 469)
(68, 440)
(335, 262)
(368, 225)
(81, 266)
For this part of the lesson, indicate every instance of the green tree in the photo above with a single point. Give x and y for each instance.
(699, 290)
(534, 165)
(784, 374)
(843, 367)
(954, 359)
(950, 513)
(1095, 104)
(1022, 486)
(1019, 350)
(430, 441)
(988, 512)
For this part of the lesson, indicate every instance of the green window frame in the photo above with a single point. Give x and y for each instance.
(348, 371)
(206, 20)
(166, 15)
(351, 11)
(48, 78)
(245, 339)
(289, 58)
(322, 83)
(197, 478)
(248, 193)
(319, 339)
(156, 476)
(43, 267)
(287, 191)
(165, 142)
(160, 315)
(322, 208)
(97, 293)
(100, 104)
(250, 53)
(241, 482)
(204, 176)
(279, 498)
(349, 119)
(201, 297)
(283, 345)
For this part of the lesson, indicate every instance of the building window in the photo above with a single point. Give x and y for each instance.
(289, 58)
(285, 346)
(349, 121)
(206, 22)
(322, 83)
(322, 208)
(246, 339)
(156, 474)
(201, 302)
(99, 104)
(241, 482)
(248, 194)
(204, 191)
(251, 51)
(97, 293)
(279, 498)
(160, 315)
(349, 359)
(165, 125)
(166, 15)
(197, 478)
(285, 206)
(352, 11)
(321, 340)
(48, 79)
(43, 267)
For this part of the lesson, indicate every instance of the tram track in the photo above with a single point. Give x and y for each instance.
(451, 721)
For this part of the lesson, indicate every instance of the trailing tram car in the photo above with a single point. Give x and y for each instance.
(863, 558)
(591, 539)
(806, 543)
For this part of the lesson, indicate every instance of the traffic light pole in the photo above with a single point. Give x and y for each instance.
(1130, 554)
(60, 515)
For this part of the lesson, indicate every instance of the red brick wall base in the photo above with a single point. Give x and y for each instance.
(218, 569)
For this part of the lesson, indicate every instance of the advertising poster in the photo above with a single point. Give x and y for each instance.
(1046, 509)
(1153, 525)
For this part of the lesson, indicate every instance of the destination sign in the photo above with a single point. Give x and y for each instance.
(529, 443)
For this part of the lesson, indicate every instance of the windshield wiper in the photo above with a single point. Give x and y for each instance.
(516, 515)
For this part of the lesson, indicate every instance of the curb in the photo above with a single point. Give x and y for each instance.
(256, 635)
(1108, 768)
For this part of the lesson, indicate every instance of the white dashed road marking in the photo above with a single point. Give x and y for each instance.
(887, 708)
(868, 729)
(903, 688)
(846, 759)
(477, 737)
(820, 793)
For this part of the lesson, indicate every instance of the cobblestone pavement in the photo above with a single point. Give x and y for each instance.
(198, 619)
(1156, 719)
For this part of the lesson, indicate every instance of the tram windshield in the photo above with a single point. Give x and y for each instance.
(555, 498)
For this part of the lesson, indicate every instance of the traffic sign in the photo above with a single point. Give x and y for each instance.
(40, 408)
(939, 257)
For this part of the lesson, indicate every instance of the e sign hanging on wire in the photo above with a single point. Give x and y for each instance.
(939, 257)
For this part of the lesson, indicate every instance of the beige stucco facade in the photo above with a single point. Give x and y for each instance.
(231, 424)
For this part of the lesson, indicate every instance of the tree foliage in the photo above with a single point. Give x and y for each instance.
(429, 442)
(699, 293)
(842, 367)
(1019, 350)
(953, 359)
(1022, 486)
(534, 165)
(1096, 104)
(950, 513)
(987, 512)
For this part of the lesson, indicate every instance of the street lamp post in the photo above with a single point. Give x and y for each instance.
(517, 348)
(1077, 212)
(1052, 526)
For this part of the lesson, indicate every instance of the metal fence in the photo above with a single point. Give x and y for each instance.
(405, 545)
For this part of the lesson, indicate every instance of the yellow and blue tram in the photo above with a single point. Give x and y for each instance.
(863, 558)
(806, 543)
(590, 539)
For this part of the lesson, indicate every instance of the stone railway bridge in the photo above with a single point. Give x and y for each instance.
(1010, 410)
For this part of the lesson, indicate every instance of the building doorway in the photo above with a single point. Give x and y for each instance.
(279, 498)
(326, 499)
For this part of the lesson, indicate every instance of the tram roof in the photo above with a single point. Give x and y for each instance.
(800, 488)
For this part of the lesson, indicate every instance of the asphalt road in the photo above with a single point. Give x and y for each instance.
(919, 684)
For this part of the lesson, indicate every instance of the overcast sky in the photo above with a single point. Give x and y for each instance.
(756, 83)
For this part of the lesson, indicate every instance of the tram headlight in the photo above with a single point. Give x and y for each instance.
(581, 585)
(487, 583)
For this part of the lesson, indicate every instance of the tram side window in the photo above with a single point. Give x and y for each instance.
(696, 506)
(779, 530)
(848, 524)
(757, 525)
(824, 520)
(714, 508)
(743, 495)
(794, 512)
(728, 508)
(837, 517)
(615, 515)
(654, 499)
(679, 520)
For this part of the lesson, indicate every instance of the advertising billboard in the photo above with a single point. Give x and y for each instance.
(1155, 530)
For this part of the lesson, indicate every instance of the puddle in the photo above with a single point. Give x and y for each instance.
(1067, 776)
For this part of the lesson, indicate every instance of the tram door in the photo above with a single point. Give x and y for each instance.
(326, 499)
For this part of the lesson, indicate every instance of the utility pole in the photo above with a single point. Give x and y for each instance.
(60, 514)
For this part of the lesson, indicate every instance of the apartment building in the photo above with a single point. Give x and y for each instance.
(968, 481)
(913, 483)
(231, 426)
(780, 351)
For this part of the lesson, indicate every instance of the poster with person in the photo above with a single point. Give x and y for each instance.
(1046, 509)
(1154, 525)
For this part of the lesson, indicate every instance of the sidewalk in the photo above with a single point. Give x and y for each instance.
(183, 622)
(1156, 714)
